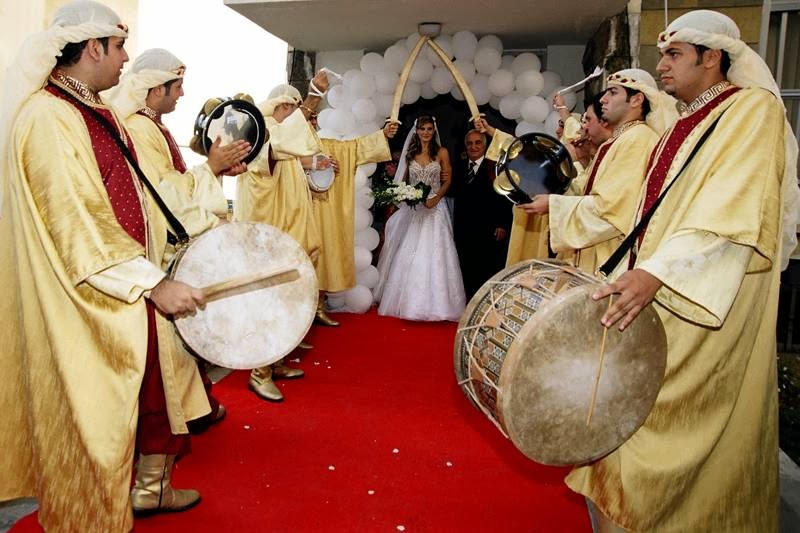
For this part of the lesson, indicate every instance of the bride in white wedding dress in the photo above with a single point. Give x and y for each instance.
(420, 277)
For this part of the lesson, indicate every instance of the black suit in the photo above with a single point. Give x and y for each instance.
(478, 212)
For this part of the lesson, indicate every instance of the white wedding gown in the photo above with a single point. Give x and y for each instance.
(420, 278)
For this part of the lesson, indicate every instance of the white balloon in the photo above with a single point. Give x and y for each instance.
(551, 81)
(358, 299)
(395, 57)
(506, 62)
(494, 101)
(368, 238)
(534, 109)
(342, 121)
(365, 110)
(365, 200)
(528, 127)
(361, 85)
(384, 103)
(491, 41)
(411, 41)
(421, 71)
(464, 45)
(367, 277)
(347, 78)
(339, 97)
(501, 82)
(368, 168)
(466, 68)
(530, 82)
(510, 104)
(372, 63)
(526, 61)
(328, 134)
(335, 300)
(456, 93)
(441, 80)
(361, 256)
(487, 60)
(411, 93)
(363, 220)
(551, 123)
(386, 81)
(480, 89)
(426, 90)
(361, 179)
(445, 42)
(323, 117)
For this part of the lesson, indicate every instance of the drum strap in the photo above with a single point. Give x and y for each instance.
(609, 266)
(182, 237)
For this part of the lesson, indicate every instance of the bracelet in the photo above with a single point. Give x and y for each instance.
(313, 90)
(306, 108)
(559, 107)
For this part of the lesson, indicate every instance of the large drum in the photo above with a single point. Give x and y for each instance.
(262, 290)
(527, 352)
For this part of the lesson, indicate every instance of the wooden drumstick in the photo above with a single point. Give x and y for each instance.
(248, 283)
(599, 366)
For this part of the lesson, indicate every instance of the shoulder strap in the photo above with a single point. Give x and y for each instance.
(609, 266)
(182, 236)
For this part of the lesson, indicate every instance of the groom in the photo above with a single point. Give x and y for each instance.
(481, 217)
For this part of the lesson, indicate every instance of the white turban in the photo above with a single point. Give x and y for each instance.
(663, 107)
(152, 68)
(718, 32)
(282, 94)
(75, 22)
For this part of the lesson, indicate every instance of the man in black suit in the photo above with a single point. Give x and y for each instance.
(481, 217)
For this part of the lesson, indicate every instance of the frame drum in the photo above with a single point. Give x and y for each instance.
(534, 163)
(254, 328)
(526, 353)
(231, 120)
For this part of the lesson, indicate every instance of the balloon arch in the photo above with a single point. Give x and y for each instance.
(469, 69)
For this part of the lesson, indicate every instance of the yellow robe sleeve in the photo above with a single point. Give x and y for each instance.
(686, 262)
(292, 138)
(194, 197)
(500, 143)
(127, 281)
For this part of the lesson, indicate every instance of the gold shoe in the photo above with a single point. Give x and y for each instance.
(152, 492)
(261, 383)
(322, 317)
(281, 371)
(305, 346)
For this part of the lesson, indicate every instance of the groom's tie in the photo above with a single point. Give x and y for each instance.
(471, 171)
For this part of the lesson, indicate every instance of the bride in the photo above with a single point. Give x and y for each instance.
(418, 266)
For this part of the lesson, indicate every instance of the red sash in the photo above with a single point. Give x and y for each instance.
(601, 153)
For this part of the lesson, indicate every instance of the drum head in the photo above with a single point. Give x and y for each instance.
(535, 163)
(232, 120)
(321, 180)
(548, 376)
(256, 328)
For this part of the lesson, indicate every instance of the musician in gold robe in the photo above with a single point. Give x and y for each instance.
(586, 228)
(91, 366)
(274, 190)
(706, 458)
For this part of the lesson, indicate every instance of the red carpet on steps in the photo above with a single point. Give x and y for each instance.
(376, 437)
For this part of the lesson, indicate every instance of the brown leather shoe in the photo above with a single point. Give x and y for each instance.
(261, 383)
(281, 371)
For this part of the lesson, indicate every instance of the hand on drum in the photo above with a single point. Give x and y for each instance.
(636, 289)
(222, 158)
(177, 299)
(539, 206)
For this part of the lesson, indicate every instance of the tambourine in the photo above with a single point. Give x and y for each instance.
(534, 163)
(231, 119)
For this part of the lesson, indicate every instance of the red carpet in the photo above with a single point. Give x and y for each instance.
(376, 437)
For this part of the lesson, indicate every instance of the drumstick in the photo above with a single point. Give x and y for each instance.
(599, 366)
(248, 283)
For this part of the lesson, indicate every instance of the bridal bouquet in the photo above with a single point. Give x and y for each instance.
(402, 192)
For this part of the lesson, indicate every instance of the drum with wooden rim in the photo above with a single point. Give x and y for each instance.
(530, 353)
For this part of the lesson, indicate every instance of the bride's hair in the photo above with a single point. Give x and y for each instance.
(416, 146)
